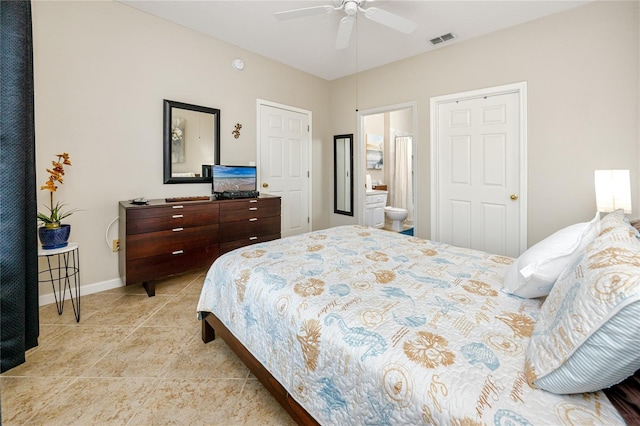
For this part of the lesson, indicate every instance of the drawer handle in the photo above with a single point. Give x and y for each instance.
(177, 229)
(177, 207)
(177, 252)
(253, 201)
(177, 216)
(253, 238)
(253, 219)
(253, 208)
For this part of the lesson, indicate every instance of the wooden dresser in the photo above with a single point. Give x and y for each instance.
(162, 238)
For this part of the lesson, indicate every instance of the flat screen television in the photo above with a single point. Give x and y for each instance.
(234, 178)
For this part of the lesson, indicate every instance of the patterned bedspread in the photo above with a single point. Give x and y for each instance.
(369, 327)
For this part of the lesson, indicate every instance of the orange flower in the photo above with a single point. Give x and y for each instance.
(49, 185)
(65, 158)
(56, 173)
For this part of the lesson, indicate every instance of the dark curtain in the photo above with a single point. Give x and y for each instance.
(19, 327)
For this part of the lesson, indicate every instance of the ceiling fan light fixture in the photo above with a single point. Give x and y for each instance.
(351, 7)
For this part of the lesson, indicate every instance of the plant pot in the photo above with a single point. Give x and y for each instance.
(53, 238)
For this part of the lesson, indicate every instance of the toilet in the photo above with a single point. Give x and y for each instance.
(397, 216)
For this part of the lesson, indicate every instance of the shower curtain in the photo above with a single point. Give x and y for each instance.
(401, 194)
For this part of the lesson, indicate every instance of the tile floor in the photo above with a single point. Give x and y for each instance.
(134, 360)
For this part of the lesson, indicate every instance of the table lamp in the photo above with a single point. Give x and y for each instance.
(613, 190)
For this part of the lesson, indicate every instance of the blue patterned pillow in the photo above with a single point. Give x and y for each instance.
(588, 334)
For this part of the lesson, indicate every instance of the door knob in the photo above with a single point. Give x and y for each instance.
(265, 185)
(514, 197)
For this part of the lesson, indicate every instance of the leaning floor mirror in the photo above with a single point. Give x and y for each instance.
(343, 174)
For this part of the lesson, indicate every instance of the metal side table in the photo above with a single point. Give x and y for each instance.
(63, 267)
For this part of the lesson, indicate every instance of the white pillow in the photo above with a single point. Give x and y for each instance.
(537, 269)
(588, 334)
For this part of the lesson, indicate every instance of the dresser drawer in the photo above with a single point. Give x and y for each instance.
(249, 229)
(245, 203)
(171, 242)
(171, 216)
(248, 212)
(232, 245)
(154, 267)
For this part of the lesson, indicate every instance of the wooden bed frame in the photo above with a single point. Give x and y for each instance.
(211, 324)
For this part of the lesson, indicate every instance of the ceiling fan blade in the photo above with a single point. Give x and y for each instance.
(391, 20)
(305, 11)
(344, 32)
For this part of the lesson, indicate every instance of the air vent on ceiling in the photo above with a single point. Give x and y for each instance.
(442, 38)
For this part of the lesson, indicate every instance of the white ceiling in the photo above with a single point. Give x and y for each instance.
(308, 43)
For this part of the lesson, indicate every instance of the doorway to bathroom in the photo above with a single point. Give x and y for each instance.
(387, 152)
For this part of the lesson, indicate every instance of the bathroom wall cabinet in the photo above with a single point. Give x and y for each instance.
(374, 210)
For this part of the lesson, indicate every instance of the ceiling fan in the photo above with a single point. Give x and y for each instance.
(351, 8)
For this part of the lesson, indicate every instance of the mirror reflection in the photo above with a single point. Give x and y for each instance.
(191, 142)
(342, 174)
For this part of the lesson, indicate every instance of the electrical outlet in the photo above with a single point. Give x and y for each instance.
(115, 245)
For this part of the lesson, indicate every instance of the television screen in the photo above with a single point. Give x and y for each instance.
(234, 178)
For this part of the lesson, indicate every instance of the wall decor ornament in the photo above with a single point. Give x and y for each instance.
(236, 132)
(53, 234)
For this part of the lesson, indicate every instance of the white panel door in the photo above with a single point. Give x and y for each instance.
(284, 164)
(478, 166)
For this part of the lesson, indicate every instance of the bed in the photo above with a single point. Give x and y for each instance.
(355, 325)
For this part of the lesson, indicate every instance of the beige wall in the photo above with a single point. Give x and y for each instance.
(582, 70)
(102, 70)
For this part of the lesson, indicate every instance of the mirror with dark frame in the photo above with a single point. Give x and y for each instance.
(191, 136)
(343, 174)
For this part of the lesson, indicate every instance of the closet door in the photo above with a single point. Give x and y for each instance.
(479, 197)
(284, 160)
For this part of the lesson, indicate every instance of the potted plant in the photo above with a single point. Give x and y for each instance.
(53, 234)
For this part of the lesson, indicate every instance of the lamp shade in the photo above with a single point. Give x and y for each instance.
(613, 190)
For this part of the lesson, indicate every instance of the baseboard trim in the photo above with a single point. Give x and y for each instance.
(46, 299)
